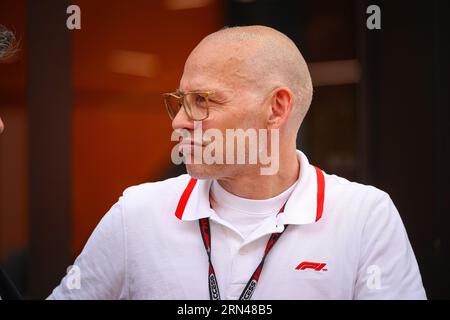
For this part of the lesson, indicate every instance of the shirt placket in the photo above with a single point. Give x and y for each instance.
(245, 254)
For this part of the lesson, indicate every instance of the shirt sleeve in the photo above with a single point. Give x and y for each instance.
(387, 268)
(99, 272)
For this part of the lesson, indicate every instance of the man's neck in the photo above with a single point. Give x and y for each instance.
(258, 187)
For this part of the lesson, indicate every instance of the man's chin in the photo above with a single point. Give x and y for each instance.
(202, 171)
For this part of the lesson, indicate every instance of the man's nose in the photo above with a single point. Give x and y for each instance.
(182, 121)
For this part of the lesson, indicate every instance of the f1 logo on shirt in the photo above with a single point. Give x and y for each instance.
(317, 266)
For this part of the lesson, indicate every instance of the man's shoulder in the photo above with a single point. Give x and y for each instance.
(343, 188)
(347, 200)
(171, 184)
(156, 193)
(354, 198)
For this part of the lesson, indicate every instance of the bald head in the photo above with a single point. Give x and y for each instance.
(260, 58)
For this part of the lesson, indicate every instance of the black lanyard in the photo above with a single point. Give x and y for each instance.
(247, 293)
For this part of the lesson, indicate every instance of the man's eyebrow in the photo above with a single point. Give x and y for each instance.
(214, 93)
(218, 94)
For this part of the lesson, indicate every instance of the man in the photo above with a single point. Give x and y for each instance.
(227, 231)
(7, 49)
(7, 39)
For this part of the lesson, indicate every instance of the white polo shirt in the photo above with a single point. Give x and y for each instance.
(344, 241)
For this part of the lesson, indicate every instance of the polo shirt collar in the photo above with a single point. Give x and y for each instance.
(304, 206)
(194, 201)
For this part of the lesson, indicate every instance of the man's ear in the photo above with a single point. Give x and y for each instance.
(281, 104)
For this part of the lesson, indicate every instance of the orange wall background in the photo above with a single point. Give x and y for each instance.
(125, 55)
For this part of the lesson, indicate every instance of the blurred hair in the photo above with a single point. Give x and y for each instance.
(8, 44)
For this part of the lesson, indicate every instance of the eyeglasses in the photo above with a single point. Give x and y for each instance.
(195, 104)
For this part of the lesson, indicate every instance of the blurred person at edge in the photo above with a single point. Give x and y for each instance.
(7, 48)
(226, 231)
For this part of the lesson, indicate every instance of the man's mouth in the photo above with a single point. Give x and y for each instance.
(188, 146)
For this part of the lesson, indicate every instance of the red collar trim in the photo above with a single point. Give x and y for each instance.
(184, 198)
(320, 193)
